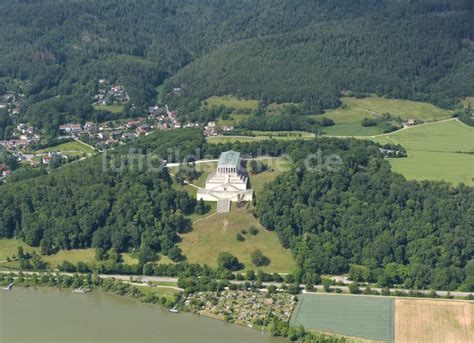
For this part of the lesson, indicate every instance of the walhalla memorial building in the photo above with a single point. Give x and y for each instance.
(228, 183)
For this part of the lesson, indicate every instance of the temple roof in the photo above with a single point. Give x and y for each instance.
(229, 159)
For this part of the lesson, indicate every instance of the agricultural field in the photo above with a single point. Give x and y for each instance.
(110, 108)
(433, 321)
(356, 316)
(436, 151)
(348, 117)
(368, 107)
(68, 148)
(217, 232)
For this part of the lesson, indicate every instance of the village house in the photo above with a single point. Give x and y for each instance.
(128, 136)
(102, 135)
(131, 124)
(70, 128)
(90, 126)
(410, 122)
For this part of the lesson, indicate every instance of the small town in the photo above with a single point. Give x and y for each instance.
(26, 143)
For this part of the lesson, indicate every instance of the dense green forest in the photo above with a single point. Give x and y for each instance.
(366, 219)
(361, 217)
(105, 201)
(298, 51)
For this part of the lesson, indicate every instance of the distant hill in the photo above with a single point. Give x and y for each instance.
(424, 55)
(299, 51)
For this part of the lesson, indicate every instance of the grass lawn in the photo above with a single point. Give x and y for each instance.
(69, 147)
(398, 107)
(351, 129)
(9, 247)
(162, 291)
(284, 135)
(346, 115)
(110, 108)
(230, 139)
(276, 166)
(73, 256)
(231, 102)
(159, 93)
(358, 316)
(81, 255)
(349, 116)
(437, 151)
(217, 233)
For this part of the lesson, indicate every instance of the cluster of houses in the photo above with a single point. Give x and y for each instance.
(110, 94)
(4, 171)
(157, 118)
(10, 102)
(211, 129)
(25, 136)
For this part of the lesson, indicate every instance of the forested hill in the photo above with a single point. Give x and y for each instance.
(425, 54)
(375, 223)
(281, 50)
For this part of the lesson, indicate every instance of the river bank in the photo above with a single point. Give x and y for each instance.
(46, 314)
(275, 324)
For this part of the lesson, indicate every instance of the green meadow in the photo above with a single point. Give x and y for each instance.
(110, 108)
(348, 117)
(436, 151)
(217, 232)
(69, 147)
(231, 102)
(367, 107)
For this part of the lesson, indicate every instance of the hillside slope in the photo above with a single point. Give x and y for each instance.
(426, 56)
(282, 50)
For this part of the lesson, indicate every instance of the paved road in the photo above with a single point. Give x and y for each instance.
(145, 279)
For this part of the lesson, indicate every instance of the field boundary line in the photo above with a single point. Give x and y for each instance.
(463, 124)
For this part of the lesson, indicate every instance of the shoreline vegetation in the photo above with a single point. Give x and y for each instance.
(265, 308)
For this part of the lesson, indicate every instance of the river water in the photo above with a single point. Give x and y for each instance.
(51, 315)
